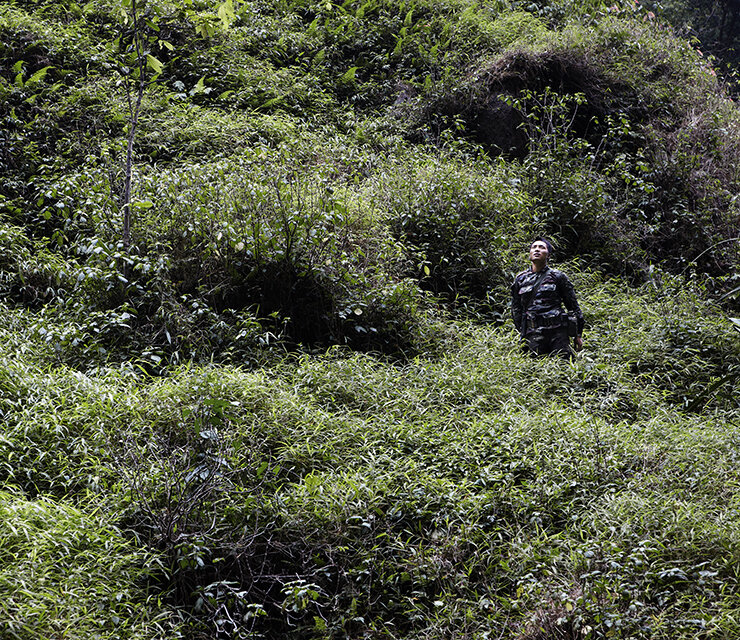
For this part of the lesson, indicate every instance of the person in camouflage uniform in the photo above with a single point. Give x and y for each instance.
(541, 321)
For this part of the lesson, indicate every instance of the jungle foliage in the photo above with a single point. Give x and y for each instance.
(257, 377)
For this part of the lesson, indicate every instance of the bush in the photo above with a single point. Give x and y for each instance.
(65, 572)
(605, 144)
(244, 253)
(460, 220)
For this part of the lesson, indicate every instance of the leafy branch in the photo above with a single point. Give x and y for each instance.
(140, 70)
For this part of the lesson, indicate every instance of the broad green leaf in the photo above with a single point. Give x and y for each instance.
(349, 75)
(199, 86)
(398, 47)
(270, 102)
(226, 13)
(319, 57)
(154, 64)
(205, 29)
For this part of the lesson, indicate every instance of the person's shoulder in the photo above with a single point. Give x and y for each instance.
(557, 273)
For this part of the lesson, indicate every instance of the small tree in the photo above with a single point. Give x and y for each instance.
(140, 69)
(138, 40)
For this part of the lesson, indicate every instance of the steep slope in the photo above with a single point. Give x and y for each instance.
(294, 405)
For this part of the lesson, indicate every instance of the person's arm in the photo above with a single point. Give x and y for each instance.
(568, 296)
(516, 306)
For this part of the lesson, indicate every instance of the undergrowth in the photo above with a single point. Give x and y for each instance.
(295, 406)
(478, 490)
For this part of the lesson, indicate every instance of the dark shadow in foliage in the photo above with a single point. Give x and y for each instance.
(460, 256)
(301, 307)
(482, 103)
(28, 137)
(296, 305)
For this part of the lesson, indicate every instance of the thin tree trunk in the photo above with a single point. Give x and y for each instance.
(134, 111)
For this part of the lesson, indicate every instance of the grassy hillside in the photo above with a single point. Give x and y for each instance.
(293, 405)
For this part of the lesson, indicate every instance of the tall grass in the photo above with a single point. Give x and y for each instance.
(69, 574)
(469, 490)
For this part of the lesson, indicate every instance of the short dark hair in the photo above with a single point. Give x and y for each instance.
(548, 244)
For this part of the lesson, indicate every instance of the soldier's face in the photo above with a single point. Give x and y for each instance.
(538, 251)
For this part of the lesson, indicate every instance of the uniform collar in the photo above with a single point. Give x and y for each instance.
(545, 270)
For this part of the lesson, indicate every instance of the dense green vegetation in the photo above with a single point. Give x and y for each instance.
(288, 402)
(715, 24)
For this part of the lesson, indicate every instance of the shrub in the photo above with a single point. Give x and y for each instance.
(617, 160)
(244, 253)
(65, 572)
(459, 219)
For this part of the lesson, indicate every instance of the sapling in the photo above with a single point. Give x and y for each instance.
(139, 70)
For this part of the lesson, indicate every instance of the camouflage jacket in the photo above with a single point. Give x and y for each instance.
(546, 310)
